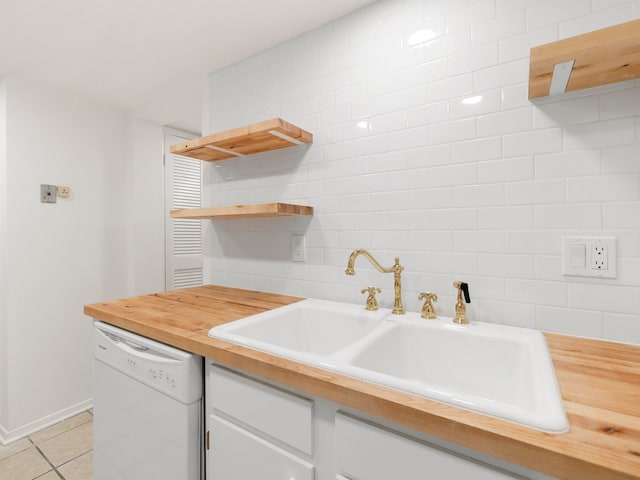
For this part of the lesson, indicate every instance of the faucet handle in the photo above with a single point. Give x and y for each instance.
(372, 302)
(428, 311)
(461, 310)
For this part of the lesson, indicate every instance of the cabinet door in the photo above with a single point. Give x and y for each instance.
(274, 412)
(368, 452)
(236, 454)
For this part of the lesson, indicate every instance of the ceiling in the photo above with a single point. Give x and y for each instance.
(148, 57)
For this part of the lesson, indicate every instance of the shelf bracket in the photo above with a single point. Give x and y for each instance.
(286, 137)
(560, 77)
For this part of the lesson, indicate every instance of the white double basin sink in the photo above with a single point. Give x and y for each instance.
(497, 370)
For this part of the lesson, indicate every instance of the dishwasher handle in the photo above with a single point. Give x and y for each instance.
(135, 346)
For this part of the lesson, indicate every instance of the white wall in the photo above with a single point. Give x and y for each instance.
(60, 256)
(145, 207)
(401, 165)
(3, 216)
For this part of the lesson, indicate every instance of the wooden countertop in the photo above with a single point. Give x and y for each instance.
(599, 381)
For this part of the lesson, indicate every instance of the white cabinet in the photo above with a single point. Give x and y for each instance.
(261, 431)
(237, 454)
(256, 430)
(369, 452)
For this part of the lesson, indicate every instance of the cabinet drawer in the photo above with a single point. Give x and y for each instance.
(368, 452)
(236, 454)
(278, 414)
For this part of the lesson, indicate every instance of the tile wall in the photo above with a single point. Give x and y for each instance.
(427, 148)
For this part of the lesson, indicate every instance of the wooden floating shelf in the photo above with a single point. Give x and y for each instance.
(258, 137)
(244, 211)
(600, 57)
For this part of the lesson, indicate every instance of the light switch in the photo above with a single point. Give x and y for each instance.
(578, 256)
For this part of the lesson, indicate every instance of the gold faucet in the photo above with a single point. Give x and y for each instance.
(428, 311)
(396, 269)
(461, 309)
(372, 303)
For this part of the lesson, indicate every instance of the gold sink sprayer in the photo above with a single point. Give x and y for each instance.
(461, 309)
(396, 269)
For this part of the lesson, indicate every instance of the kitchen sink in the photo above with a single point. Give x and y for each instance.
(497, 370)
(310, 329)
(502, 371)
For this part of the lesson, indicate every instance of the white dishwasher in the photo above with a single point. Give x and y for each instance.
(148, 420)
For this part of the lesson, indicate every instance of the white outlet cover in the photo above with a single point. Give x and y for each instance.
(297, 248)
(574, 246)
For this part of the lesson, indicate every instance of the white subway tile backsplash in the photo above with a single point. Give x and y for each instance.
(519, 46)
(568, 216)
(504, 7)
(454, 218)
(604, 188)
(428, 114)
(506, 170)
(511, 121)
(474, 105)
(604, 298)
(553, 12)
(535, 192)
(515, 96)
(622, 159)
(475, 59)
(621, 215)
(568, 164)
(600, 134)
(574, 322)
(455, 131)
(476, 13)
(529, 143)
(595, 21)
(478, 241)
(622, 328)
(506, 218)
(506, 265)
(501, 75)
(541, 242)
(476, 150)
(477, 195)
(536, 292)
(498, 29)
(566, 112)
(404, 163)
(462, 263)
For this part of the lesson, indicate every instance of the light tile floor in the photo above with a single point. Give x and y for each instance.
(61, 451)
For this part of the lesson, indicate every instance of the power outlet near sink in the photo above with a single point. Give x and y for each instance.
(589, 257)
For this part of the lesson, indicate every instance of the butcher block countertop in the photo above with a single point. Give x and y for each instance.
(599, 381)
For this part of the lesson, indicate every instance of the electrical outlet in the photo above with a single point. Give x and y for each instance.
(589, 257)
(297, 248)
(599, 257)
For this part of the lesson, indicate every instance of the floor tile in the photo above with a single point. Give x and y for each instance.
(25, 465)
(69, 445)
(52, 475)
(14, 447)
(61, 427)
(80, 468)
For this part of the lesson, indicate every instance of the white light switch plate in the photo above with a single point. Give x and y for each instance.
(589, 257)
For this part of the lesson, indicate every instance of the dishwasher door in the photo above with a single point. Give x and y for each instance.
(147, 409)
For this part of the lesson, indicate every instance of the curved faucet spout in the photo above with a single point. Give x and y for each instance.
(396, 269)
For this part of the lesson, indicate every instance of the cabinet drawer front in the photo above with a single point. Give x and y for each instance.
(236, 454)
(368, 452)
(276, 413)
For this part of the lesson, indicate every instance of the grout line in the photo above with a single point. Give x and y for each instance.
(47, 460)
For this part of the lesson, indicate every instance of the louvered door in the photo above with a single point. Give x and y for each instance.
(183, 245)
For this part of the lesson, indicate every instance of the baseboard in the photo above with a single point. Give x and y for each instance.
(11, 436)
